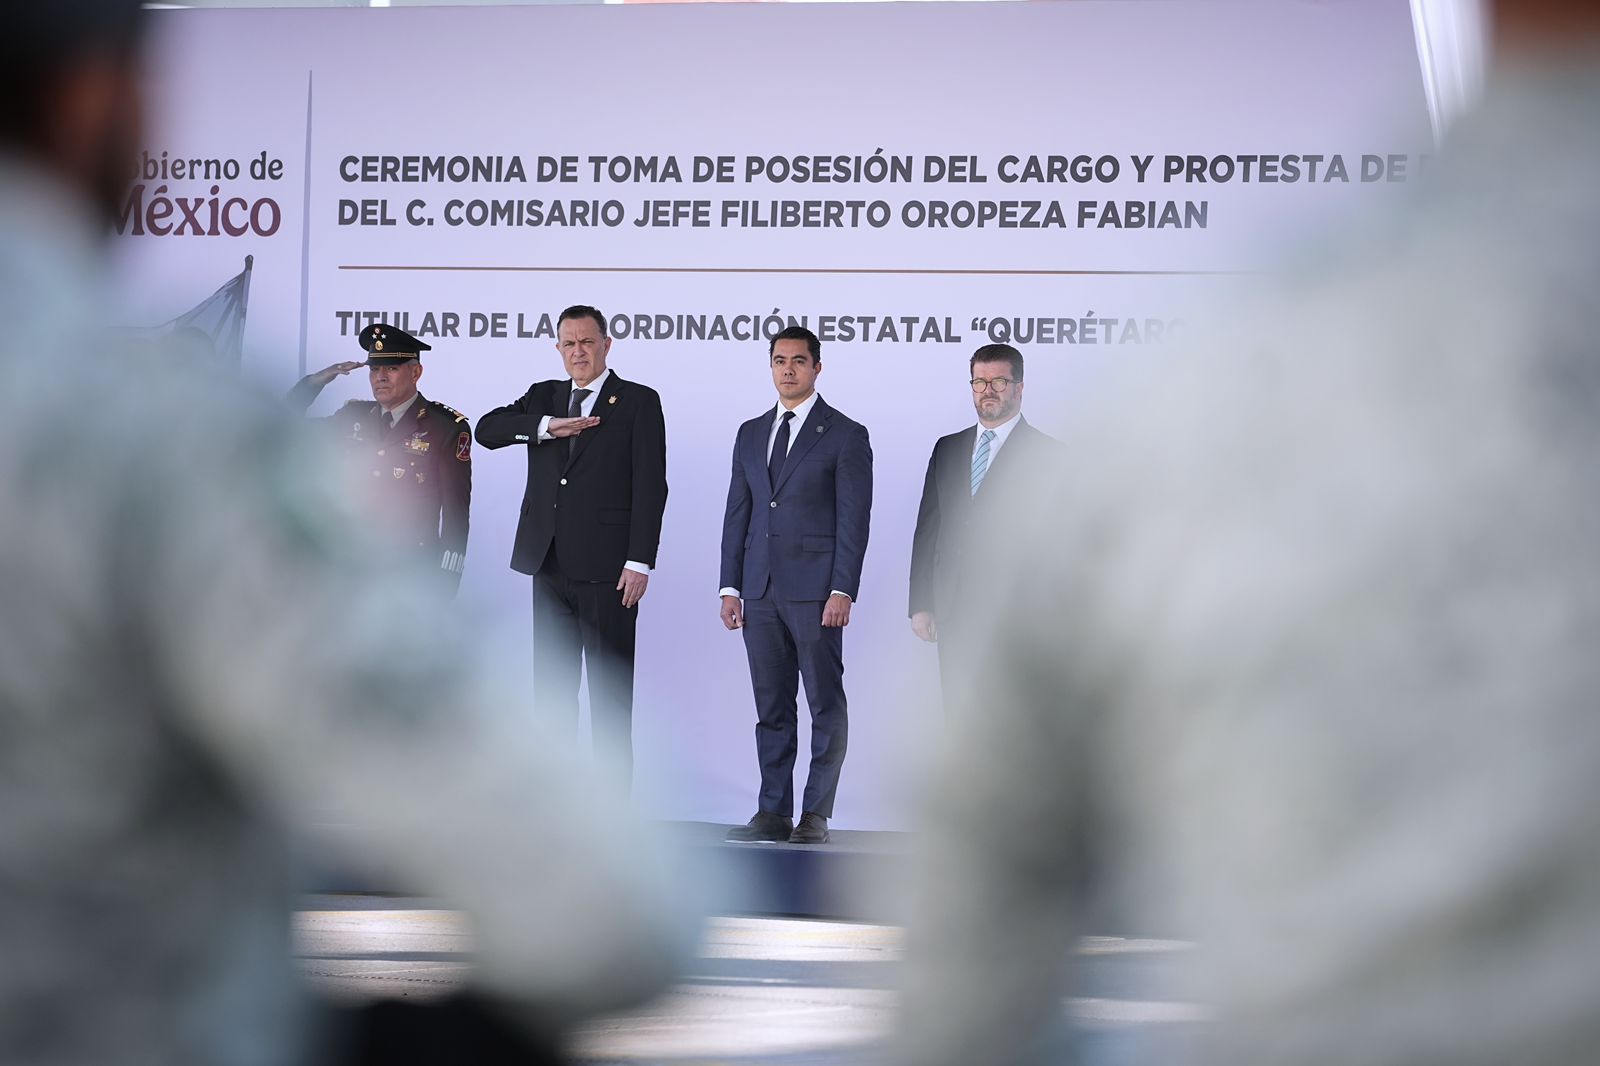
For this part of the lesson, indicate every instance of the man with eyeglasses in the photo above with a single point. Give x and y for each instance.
(967, 489)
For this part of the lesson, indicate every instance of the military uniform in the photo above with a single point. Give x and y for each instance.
(419, 470)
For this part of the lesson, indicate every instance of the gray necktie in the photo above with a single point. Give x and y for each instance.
(980, 459)
(575, 410)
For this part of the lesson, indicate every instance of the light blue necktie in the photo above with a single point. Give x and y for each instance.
(980, 460)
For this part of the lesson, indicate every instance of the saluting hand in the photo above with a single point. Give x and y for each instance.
(732, 612)
(632, 584)
(328, 373)
(923, 625)
(571, 427)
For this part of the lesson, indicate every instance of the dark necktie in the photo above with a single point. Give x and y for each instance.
(780, 450)
(575, 410)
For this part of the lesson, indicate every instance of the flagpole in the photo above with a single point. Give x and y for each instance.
(244, 295)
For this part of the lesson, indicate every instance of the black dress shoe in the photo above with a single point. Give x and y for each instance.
(813, 829)
(763, 826)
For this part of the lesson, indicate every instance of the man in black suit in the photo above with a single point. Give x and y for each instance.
(590, 525)
(793, 538)
(975, 476)
(419, 451)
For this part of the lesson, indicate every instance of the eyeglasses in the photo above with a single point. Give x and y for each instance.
(999, 384)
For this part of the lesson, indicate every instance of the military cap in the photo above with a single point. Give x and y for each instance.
(388, 345)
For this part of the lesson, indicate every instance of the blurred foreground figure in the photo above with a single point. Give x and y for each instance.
(200, 648)
(1313, 678)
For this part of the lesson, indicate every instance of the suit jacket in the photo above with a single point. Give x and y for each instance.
(948, 516)
(421, 472)
(599, 496)
(806, 535)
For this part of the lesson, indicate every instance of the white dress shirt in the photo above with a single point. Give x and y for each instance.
(1001, 432)
(802, 411)
(585, 409)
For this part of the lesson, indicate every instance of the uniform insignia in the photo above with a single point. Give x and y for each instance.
(355, 429)
(464, 446)
(399, 473)
(459, 417)
(415, 443)
(377, 346)
(422, 476)
(612, 400)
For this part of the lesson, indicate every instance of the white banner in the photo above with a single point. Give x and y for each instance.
(910, 181)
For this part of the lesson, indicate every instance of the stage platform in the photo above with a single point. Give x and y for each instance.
(758, 991)
(845, 879)
(842, 880)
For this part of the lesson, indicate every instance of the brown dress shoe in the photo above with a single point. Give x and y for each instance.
(764, 826)
(813, 829)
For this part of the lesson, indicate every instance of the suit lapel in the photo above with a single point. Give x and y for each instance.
(416, 420)
(816, 425)
(563, 398)
(602, 405)
(957, 472)
(758, 450)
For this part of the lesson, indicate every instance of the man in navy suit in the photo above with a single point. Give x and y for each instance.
(793, 539)
(590, 523)
(977, 477)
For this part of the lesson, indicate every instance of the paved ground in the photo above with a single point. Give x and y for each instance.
(796, 993)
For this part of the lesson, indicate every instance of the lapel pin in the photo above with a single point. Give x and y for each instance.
(612, 400)
(819, 429)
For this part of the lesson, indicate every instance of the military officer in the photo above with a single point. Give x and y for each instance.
(418, 451)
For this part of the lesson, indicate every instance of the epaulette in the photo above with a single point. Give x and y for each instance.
(459, 416)
(356, 403)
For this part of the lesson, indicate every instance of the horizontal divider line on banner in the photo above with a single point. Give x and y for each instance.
(791, 270)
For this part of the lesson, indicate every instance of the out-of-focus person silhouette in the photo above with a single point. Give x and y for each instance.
(1320, 686)
(201, 647)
